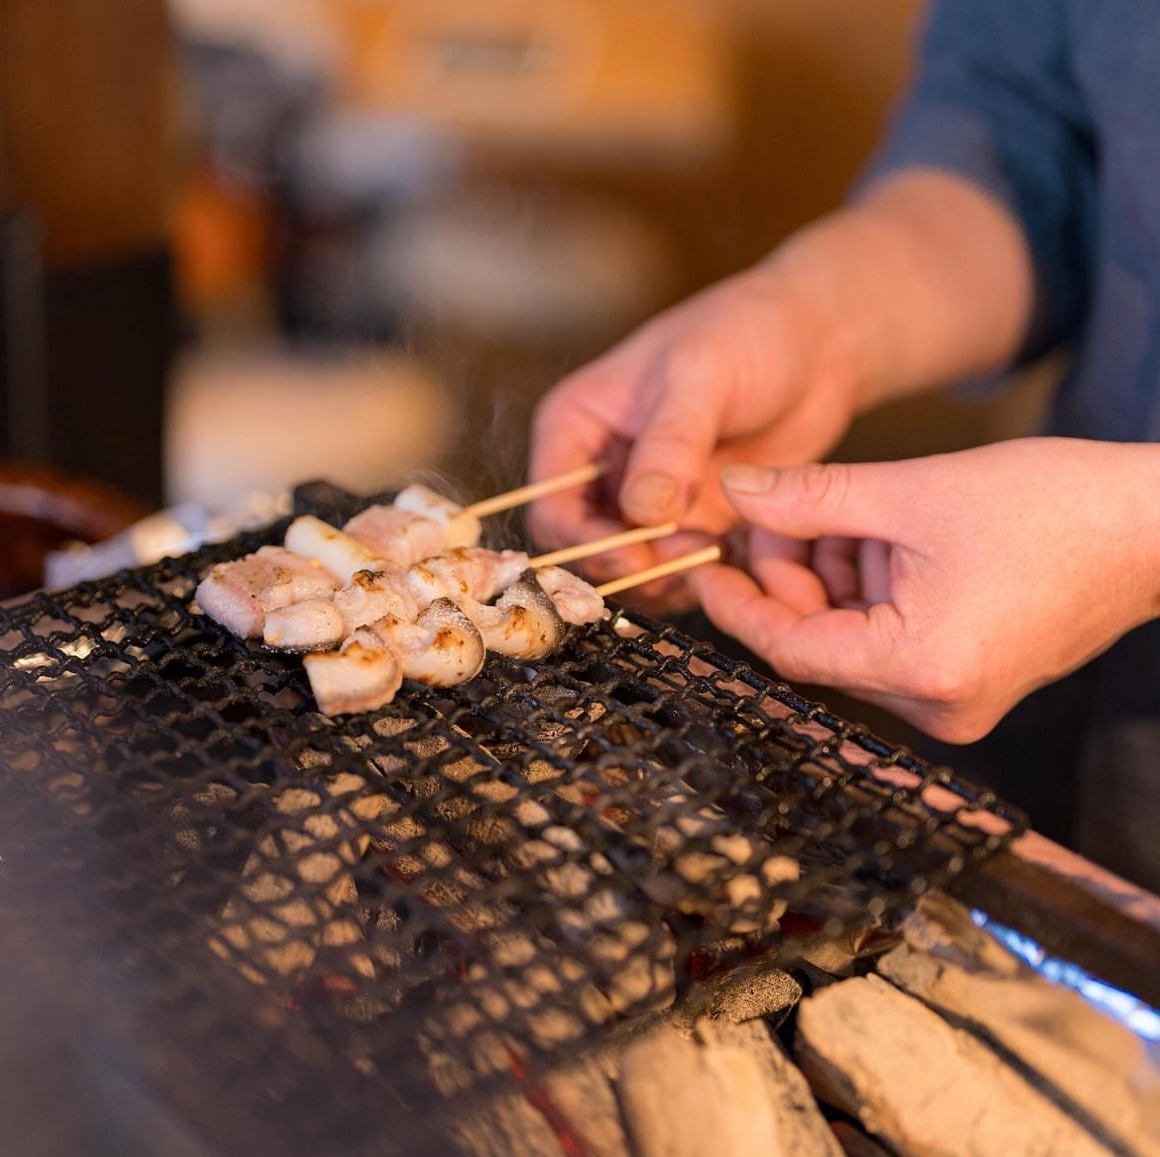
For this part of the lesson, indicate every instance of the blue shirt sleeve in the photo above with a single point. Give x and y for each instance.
(995, 102)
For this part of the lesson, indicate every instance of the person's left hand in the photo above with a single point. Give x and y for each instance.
(946, 588)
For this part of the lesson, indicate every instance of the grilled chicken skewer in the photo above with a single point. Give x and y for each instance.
(431, 621)
(445, 644)
(470, 577)
(239, 594)
(473, 575)
(528, 621)
(421, 522)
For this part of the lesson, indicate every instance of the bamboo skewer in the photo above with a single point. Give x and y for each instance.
(674, 566)
(600, 545)
(534, 490)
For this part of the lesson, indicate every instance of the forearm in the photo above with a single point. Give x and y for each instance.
(923, 282)
(1122, 503)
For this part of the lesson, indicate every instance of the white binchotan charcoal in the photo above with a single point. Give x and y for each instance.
(730, 1090)
(339, 553)
(1087, 1058)
(461, 528)
(239, 594)
(584, 1093)
(926, 1088)
(363, 676)
(311, 625)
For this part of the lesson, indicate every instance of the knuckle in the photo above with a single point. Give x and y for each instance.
(669, 444)
(824, 485)
(695, 361)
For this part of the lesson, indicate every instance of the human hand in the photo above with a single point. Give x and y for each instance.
(946, 588)
(747, 371)
(924, 281)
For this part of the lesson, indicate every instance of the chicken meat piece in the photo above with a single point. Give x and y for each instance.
(441, 647)
(311, 625)
(523, 623)
(240, 594)
(397, 536)
(467, 573)
(341, 554)
(460, 527)
(363, 676)
(376, 594)
(576, 601)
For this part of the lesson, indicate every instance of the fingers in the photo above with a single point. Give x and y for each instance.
(670, 456)
(780, 566)
(834, 560)
(874, 570)
(855, 572)
(839, 648)
(566, 436)
(868, 500)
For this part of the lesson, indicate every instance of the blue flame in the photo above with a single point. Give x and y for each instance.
(1130, 1011)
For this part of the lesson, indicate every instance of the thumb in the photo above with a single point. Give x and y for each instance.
(815, 501)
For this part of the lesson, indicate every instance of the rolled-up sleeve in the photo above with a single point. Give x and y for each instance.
(994, 101)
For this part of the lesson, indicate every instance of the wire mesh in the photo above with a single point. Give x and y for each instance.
(330, 935)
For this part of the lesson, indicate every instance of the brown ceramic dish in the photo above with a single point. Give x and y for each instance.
(42, 508)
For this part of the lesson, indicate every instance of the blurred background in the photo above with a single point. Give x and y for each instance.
(250, 242)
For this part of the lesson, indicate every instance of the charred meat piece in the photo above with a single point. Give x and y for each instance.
(576, 601)
(464, 576)
(241, 593)
(311, 625)
(398, 536)
(375, 594)
(468, 572)
(363, 676)
(441, 647)
(341, 554)
(523, 623)
(460, 528)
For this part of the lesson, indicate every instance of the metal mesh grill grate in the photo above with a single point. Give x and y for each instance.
(326, 925)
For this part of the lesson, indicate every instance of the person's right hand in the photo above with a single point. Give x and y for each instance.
(747, 371)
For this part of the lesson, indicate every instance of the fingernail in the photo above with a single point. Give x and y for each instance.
(652, 493)
(748, 479)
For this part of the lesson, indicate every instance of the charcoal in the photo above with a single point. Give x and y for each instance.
(924, 1087)
(729, 1089)
(1090, 1062)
